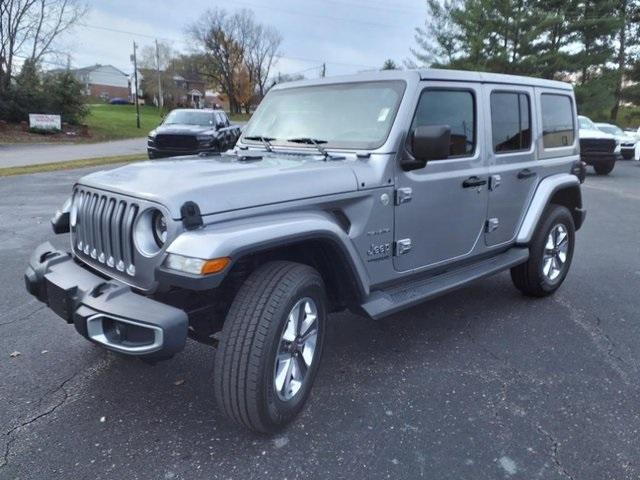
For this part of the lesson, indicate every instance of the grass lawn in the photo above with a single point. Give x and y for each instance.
(106, 122)
(51, 167)
(239, 117)
(115, 122)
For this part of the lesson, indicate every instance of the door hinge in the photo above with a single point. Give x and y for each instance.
(402, 246)
(403, 195)
(494, 181)
(492, 224)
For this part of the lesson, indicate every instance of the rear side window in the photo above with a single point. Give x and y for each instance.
(454, 108)
(558, 128)
(510, 121)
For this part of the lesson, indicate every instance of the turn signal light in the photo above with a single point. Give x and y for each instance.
(214, 266)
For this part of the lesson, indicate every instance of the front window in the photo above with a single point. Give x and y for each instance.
(187, 117)
(348, 115)
(454, 108)
(586, 124)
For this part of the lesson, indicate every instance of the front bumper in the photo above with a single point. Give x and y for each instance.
(592, 158)
(105, 311)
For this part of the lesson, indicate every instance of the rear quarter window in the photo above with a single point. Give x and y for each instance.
(558, 123)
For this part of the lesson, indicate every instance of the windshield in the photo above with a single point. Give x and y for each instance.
(188, 117)
(612, 129)
(587, 124)
(349, 115)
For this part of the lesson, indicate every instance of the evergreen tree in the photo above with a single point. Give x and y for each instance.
(389, 64)
(590, 42)
(437, 41)
(65, 97)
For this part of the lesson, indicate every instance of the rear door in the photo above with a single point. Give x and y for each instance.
(514, 169)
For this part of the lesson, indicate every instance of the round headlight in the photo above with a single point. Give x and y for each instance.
(159, 228)
(150, 232)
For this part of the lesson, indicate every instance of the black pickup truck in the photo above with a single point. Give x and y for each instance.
(192, 131)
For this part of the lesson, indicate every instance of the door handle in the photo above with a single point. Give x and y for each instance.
(473, 182)
(526, 173)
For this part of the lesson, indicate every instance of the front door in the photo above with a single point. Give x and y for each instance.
(441, 208)
(514, 168)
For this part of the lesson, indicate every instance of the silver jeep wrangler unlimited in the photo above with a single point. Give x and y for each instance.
(372, 192)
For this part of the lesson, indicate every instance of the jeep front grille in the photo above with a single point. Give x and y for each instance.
(103, 229)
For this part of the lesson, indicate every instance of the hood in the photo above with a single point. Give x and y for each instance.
(597, 134)
(222, 183)
(627, 139)
(183, 129)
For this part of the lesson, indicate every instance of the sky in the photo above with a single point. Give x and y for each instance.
(349, 35)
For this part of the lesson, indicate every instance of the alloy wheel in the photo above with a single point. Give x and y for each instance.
(296, 350)
(556, 252)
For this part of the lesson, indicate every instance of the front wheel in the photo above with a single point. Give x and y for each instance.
(270, 347)
(604, 168)
(551, 252)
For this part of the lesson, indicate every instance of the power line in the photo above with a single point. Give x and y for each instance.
(169, 39)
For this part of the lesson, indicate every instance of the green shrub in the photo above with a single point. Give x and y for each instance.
(33, 91)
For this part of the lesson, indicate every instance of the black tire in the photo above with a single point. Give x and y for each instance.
(604, 168)
(529, 277)
(245, 361)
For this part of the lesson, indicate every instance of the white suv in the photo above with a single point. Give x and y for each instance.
(628, 143)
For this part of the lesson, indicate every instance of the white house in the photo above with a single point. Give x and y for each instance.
(105, 81)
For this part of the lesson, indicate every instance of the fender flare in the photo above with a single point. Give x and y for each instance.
(238, 238)
(545, 191)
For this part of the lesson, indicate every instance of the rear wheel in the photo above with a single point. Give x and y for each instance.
(270, 347)
(551, 252)
(604, 168)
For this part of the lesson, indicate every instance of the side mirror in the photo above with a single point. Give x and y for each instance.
(431, 142)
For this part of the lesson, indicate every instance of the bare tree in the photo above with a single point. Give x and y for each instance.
(262, 56)
(237, 53)
(29, 29)
(223, 40)
(156, 66)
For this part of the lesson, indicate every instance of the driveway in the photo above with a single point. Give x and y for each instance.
(26, 154)
(480, 384)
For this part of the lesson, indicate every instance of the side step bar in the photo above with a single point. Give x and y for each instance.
(393, 299)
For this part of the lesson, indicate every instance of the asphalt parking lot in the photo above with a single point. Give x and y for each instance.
(480, 384)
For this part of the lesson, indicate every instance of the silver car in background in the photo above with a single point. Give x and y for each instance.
(629, 144)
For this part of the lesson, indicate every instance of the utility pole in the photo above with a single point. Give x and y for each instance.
(135, 79)
(323, 72)
(160, 95)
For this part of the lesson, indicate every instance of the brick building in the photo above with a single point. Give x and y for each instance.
(103, 81)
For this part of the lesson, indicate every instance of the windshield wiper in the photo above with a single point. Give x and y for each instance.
(266, 141)
(312, 141)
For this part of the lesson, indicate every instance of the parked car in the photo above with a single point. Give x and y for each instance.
(372, 192)
(597, 148)
(628, 143)
(119, 101)
(192, 131)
